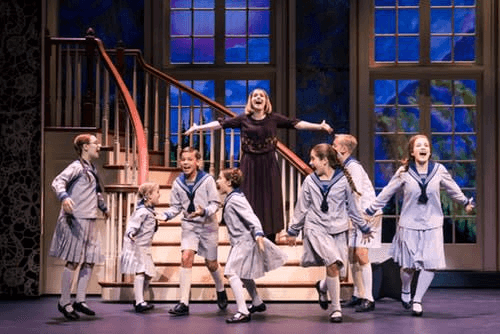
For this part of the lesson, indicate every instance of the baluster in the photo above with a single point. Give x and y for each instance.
(59, 55)
(201, 137)
(118, 236)
(105, 117)
(116, 145)
(222, 164)
(156, 118)
(146, 108)
(179, 126)
(97, 120)
(283, 186)
(231, 149)
(212, 152)
(68, 112)
(166, 148)
(77, 118)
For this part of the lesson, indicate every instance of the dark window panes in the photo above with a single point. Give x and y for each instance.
(465, 147)
(236, 22)
(236, 92)
(441, 147)
(465, 92)
(465, 119)
(440, 2)
(448, 230)
(238, 111)
(236, 4)
(236, 49)
(465, 231)
(389, 147)
(259, 3)
(262, 84)
(408, 2)
(180, 50)
(204, 23)
(465, 47)
(385, 91)
(465, 2)
(204, 50)
(174, 95)
(385, 2)
(385, 49)
(258, 50)
(185, 112)
(185, 97)
(385, 21)
(409, 119)
(441, 92)
(440, 48)
(258, 22)
(441, 118)
(465, 174)
(440, 21)
(383, 173)
(207, 88)
(173, 120)
(465, 20)
(409, 48)
(385, 119)
(180, 3)
(408, 92)
(180, 23)
(389, 229)
(408, 21)
(204, 4)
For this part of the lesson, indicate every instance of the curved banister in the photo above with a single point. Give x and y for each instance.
(288, 154)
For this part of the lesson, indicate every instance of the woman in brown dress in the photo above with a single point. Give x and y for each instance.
(262, 182)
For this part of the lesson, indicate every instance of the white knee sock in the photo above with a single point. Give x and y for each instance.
(83, 282)
(239, 294)
(217, 276)
(147, 280)
(252, 291)
(322, 286)
(366, 275)
(424, 281)
(406, 278)
(139, 288)
(333, 284)
(185, 284)
(359, 289)
(66, 283)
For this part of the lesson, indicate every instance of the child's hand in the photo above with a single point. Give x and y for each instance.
(106, 215)
(367, 237)
(291, 240)
(198, 213)
(160, 216)
(260, 243)
(67, 205)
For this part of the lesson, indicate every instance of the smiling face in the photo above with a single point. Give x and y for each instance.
(189, 164)
(154, 197)
(421, 150)
(258, 99)
(91, 149)
(223, 184)
(319, 165)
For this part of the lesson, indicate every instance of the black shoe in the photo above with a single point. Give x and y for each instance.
(143, 307)
(239, 317)
(355, 301)
(179, 309)
(336, 316)
(417, 310)
(70, 315)
(322, 297)
(406, 305)
(222, 299)
(259, 308)
(82, 307)
(365, 306)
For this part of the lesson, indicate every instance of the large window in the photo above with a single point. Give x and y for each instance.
(418, 51)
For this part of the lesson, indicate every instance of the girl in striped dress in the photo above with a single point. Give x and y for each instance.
(251, 255)
(418, 243)
(76, 238)
(324, 206)
(136, 255)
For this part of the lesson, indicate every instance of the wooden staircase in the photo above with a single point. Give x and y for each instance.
(138, 150)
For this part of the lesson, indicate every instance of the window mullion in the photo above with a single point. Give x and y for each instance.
(425, 33)
(220, 32)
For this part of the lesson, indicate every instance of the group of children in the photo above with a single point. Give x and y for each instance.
(338, 193)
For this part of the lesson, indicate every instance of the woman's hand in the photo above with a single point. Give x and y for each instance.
(192, 129)
(326, 127)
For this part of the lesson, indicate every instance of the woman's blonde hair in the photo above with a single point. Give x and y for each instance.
(268, 107)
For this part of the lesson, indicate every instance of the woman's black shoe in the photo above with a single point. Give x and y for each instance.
(239, 317)
(259, 308)
(222, 299)
(70, 315)
(82, 307)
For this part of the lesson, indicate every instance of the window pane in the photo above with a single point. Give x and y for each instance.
(180, 50)
(262, 84)
(408, 21)
(385, 21)
(441, 92)
(236, 3)
(204, 50)
(465, 231)
(258, 50)
(465, 2)
(259, 3)
(236, 49)
(441, 119)
(236, 23)
(465, 147)
(465, 48)
(409, 119)
(236, 92)
(385, 91)
(440, 48)
(408, 92)
(409, 48)
(180, 3)
(441, 147)
(465, 174)
(465, 119)
(385, 2)
(408, 2)
(204, 23)
(180, 23)
(385, 119)
(384, 172)
(385, 48)
(440, 2)
(204, 4)
(258, 22)
(465, 20)
(465, 91)
(440, 20)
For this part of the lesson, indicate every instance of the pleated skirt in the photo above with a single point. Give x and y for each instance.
(247, 262)
(136, 259)
(76, 240)
(418, 249)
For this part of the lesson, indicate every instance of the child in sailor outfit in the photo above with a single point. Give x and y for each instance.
(251, 255)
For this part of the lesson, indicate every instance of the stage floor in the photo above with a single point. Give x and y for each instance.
(445, 311)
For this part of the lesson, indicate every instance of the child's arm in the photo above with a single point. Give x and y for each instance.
(134, 223)
(454, 191)
(175, 204)
(60, 183)
(386, 194)
(300, 212)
